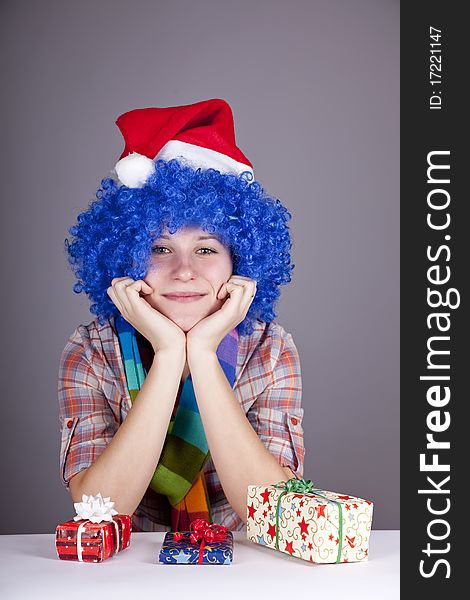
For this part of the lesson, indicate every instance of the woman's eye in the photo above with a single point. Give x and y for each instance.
(210, 250)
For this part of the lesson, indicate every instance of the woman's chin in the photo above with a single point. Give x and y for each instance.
(185, 322)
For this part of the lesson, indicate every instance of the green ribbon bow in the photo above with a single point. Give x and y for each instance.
(307, 487)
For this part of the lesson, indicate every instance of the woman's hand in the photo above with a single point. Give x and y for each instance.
(160, 331)
(209, 332)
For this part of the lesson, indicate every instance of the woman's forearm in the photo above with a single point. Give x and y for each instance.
(125, 468)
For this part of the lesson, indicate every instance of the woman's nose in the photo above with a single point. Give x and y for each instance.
(184, 267)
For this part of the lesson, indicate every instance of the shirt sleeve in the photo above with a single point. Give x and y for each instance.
(276, 415)
(86, 420)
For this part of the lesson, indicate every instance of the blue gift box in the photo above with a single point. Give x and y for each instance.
(182, 551)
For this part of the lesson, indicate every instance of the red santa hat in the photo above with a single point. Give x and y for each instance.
(201, 135)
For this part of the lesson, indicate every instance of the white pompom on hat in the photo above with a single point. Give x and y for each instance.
(134, 169)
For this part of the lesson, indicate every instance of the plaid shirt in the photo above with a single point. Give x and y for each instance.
(94, 400)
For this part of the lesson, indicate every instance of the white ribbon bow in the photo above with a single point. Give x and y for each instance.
(95, 509)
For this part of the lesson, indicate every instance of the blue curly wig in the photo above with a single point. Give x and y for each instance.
(114, 236)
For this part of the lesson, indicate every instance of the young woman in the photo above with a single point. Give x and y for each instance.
(183, 390)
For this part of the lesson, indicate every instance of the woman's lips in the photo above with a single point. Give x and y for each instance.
(184, 298)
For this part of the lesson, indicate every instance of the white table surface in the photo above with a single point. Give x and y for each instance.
(30, 568)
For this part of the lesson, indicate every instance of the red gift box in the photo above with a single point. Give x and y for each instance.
(98, 541)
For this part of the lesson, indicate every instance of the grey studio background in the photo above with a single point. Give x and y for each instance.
(314, 86)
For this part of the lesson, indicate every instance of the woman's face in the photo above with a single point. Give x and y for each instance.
(190, 260)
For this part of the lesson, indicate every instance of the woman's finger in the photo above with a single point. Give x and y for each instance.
(234, 288)
(248, 295)
(237, 302)
(112, 294)
(120, 280)
(146, 289)
(241, 278)
(134, 290)
(248, 286)
(227, 288)
(249, 291)
(120, 285)
(245, 283)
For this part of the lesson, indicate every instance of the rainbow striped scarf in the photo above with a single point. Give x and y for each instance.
(179, 473)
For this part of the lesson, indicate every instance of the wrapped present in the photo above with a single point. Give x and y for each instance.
(95, 533)
(203, 544)
(309, 523)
